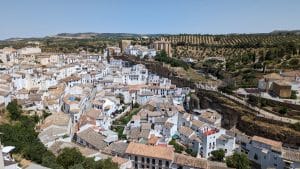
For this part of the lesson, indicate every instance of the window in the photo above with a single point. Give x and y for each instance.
(148, 160)
(135, 158)
(255, 157)
(143, 166)
(167, 163)
(153, 161)
(135, 166)
(159, 162)
(143, 160)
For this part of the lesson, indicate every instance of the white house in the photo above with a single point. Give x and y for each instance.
(270, 154)
(57, 126)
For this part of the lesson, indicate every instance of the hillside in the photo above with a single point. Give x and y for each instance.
(277, 48)
(201, 46)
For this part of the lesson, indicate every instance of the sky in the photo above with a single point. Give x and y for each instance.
(38, 18)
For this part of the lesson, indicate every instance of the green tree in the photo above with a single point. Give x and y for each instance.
(294, 62)
(238, 161)
(294, 94)
(106, 164)
(218, 155)
(69, 157)
(89, 163)
(178, 148)
(34, 152)
(283, 110)
(14, 110)
(163, 54)
(76, 166)
(295, 126)
(136, 105)
(49, 160)
(24, 137)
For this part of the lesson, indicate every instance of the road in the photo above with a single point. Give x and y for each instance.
(260, 112)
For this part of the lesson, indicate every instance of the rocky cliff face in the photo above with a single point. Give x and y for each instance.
(246, 121)
(233, 114)
(230, 113)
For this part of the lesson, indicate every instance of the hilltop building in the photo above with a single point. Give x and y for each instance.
(163, 45)
(124, 44)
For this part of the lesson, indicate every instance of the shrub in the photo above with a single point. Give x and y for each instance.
(218, 155)
(14, 110)
(295, 126)
(294, 62)
(294, 94)
(283, 110)
(238, 161)
(178, 148)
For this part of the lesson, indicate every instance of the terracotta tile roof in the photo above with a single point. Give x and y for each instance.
(161, 120)
(133, 133)
(273, 76)
(210, 132)
(186, 116)
(168, 125)
(291, 155)
(56, 148)
(144, 134)
(160, 152)
(282, 83)
(136, 117)
(93, 138)
(86, 120)
(70, 79)
(189, 161)
(119, 160)
(210, 116)
(58, 119)
(277, 145)
(153, 139)
(180, 108)
(116, 148)
(186, 131)
(198, 123)
(294, 73)
(93, 113)
(154, 114)
(217, 165)
(145, 126)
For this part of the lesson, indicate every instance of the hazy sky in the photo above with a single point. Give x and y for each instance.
(27, 18)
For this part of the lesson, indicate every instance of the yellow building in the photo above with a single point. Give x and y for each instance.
(163, 45)
(124, 44)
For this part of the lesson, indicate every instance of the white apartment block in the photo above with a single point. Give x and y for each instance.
(271, 154)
